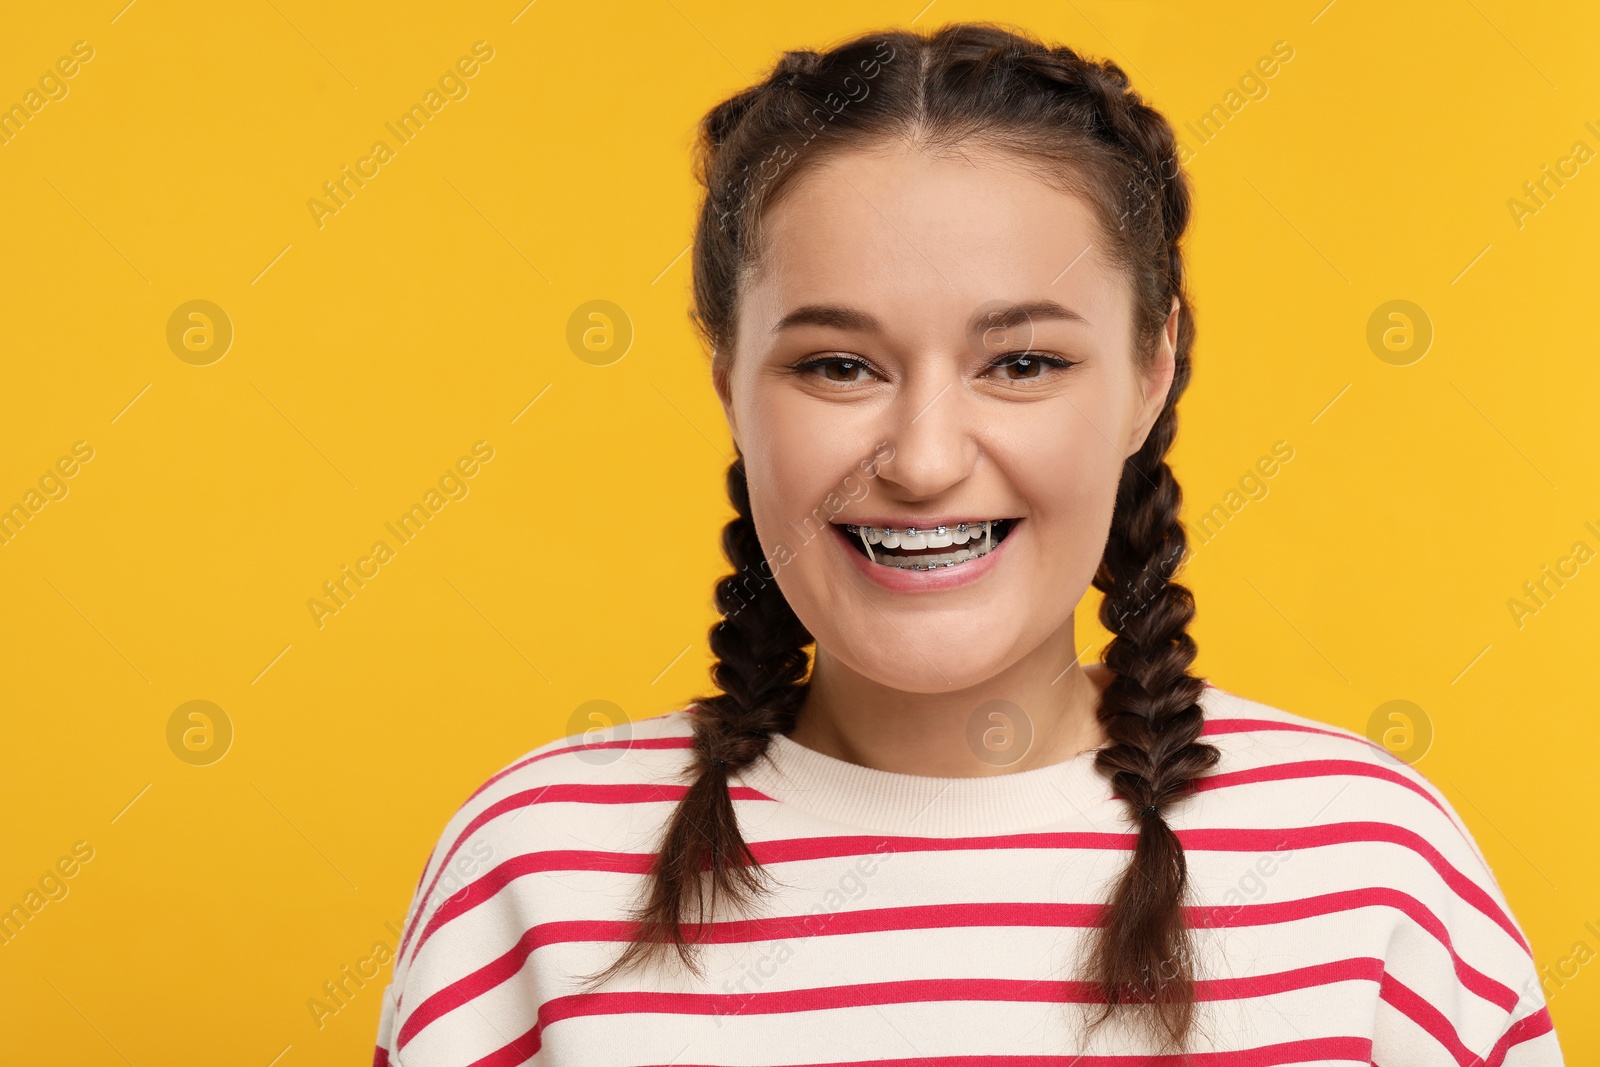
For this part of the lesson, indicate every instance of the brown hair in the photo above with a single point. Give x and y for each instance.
(1079, 123)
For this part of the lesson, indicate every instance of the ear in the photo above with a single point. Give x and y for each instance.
(721, 380)
(1156, 381)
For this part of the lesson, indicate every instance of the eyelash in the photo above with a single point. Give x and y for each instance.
(1003, 361)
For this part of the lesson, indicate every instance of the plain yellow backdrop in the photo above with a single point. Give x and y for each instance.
(373, 346)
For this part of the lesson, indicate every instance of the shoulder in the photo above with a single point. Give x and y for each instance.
(1279, 768)
(587, 803)
(1262, 743)
(1234, 721)
(634, 762)
(604, 791)
(629, 749)
(1286, 782)
(1352, 829)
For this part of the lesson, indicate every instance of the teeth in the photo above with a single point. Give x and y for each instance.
(978, 533)
(928, 563)
(960, 533)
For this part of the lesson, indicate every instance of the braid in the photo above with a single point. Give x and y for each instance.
(1150, 710)
(1152, 717)
(760, 647)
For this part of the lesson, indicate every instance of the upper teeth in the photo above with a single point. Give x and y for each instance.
(931, 537)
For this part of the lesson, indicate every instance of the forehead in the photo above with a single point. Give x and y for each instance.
(925, 239)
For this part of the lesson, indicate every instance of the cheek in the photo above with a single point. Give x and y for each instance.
(802, 468)
(1065, 466)
(807, 447)
(1070, 481)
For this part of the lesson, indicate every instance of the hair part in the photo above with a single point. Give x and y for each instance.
(1078, 124)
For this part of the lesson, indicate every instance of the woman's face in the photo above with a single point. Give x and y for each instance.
(877, 381)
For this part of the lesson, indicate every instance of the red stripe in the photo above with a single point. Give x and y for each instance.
(519, 1051)
(1353, 1049)
(380, 1057)
(833, 847)
(564, 793)
(1433, 1021)
(596, 746)
(1410, 1004)
(1215, 726)
(1200, 839)
(1472, 979)
(642, 742)
(1316, 768)
(1525, 1029)
(928, 990)
(938, 916)
(1351, 832)
(1314, 1050)
(915, 991)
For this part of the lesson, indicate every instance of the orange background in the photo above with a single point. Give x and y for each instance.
(372, 347)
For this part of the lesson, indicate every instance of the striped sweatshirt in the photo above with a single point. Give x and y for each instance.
(1341, 914)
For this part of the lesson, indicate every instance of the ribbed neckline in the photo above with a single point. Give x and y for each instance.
(925, 806)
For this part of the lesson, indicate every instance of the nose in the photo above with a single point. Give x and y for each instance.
(930, 428)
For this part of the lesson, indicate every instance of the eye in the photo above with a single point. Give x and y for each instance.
(1028, 365)
(836, 369)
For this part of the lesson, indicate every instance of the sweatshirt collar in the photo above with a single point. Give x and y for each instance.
(925, 806)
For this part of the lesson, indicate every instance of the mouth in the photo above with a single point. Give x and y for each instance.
(926, 548)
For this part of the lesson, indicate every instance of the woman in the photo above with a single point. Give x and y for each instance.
(941, 280)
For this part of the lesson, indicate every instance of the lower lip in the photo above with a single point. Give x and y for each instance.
(900, 580)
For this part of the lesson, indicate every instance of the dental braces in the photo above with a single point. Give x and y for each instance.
(988, 541)
(926, 566)
(963, 527)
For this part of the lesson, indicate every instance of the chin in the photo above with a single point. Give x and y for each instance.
(919, 662)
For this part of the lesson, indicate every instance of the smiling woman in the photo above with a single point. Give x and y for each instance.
(972, 272)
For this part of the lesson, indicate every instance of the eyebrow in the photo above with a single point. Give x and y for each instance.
(844, 317)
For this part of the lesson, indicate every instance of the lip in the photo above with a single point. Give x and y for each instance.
(896, 580)
(922, 522)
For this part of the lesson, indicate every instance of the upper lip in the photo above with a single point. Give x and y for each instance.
(919, 523)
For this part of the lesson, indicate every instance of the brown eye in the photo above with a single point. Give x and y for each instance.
(836, 369)
(1024, 366)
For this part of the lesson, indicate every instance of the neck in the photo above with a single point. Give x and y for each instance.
(953, 734)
